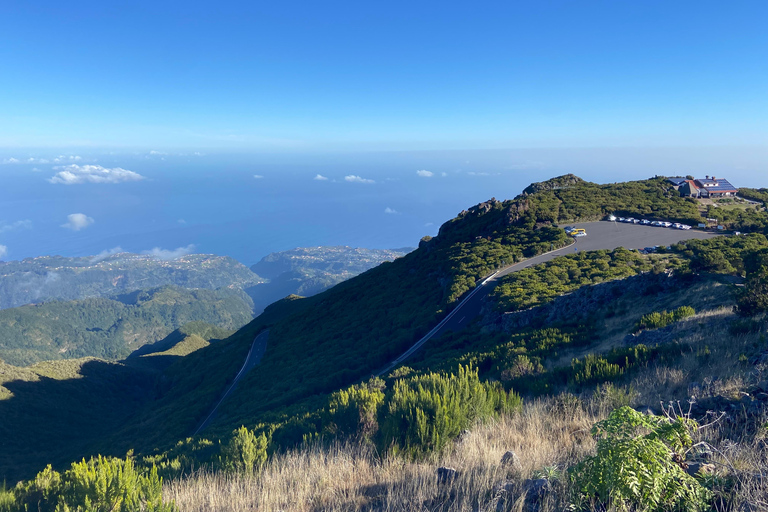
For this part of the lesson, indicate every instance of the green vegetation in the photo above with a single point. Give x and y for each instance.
(659, 319)
(311, 384)
(425, 412)
(245, 452)
(536, 286)
(35, 280)
(98, 485)
(759, 194)
(754, 298)
(112, 328)
(635, 465)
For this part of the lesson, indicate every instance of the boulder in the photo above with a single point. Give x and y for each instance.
(536, 489)
(511, 460)
(700, 468)
(446, 475)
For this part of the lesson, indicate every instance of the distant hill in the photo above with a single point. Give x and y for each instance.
(35, 280)
(113, 328)
(307, 271)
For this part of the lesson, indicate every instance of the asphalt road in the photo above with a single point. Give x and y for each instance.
(600, 235)
(256, 352)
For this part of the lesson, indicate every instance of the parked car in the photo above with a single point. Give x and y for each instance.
(611, 218)
(621, 219)
(666, 224)
(645, 222)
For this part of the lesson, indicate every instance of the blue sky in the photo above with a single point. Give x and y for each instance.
(348, 76)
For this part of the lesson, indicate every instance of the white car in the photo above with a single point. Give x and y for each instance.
(629, 219)
(677, 225)
(666, 224)
(656, 223)
(611, 218)
(580, 234)
(645, 222)
(621, 219)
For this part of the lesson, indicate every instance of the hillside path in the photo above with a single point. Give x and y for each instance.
(256, 352)
(600, 235)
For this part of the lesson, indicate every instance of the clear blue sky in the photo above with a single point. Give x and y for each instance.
(307, 76)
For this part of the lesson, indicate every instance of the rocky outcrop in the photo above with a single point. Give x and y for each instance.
(564, 181)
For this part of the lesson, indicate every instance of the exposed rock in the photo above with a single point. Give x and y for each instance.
(446, 475)
(700, 468)
(564, 181)
(511, 460)
(536, 489)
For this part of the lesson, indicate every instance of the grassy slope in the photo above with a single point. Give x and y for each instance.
(320, 344)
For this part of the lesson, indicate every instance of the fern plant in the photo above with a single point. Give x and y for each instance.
(635, 468)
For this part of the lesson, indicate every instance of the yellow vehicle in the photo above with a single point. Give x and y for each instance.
(578, 232)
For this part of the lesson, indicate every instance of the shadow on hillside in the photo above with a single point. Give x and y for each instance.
(56, 421)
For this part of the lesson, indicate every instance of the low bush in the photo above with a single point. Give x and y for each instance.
(635, 466)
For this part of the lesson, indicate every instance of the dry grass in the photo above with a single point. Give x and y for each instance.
(348, 477)
(547, 433)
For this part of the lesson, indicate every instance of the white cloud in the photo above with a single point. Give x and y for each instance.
(425, 174)
(320, 177)
(19, 224)
(3, 251)
(357, 179)
(181, 221)
(35, 169)
(106, 253)
(167, 254)
(473, 173)
(66, 158)
(153, 152)
(391, 211)
(429, 224)
(77, 221)
(75, 174)
(11, 160)
(258, 176)
(443, 174)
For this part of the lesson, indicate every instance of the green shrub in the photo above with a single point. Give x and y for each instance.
(245, 452)
(100, 484)
(425, 412)
(353, 411)
(659, 319)
(635, 467)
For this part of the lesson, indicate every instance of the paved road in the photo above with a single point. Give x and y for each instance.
(600, 235)
(258, 347)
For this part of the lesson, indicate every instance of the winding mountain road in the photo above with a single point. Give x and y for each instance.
(256, 352)
(600, 235)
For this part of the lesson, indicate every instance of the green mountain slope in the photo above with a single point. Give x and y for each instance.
(320, 346)
(44, 278)
(112, 328)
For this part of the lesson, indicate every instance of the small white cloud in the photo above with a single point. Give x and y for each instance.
(425, 174)
(429, 224)
(19, 224)
(3, 251)
(357, 179)
(153, 152)
(35, 169)
(106, 254)
(390, 211)
(320, 177)
(75, 174)
(473, 173)
(11, 160)
(66, 158)
(258, 176)
(197, 153)
(167, 254)
(181, 221)
(443, 174)
(77, 221)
